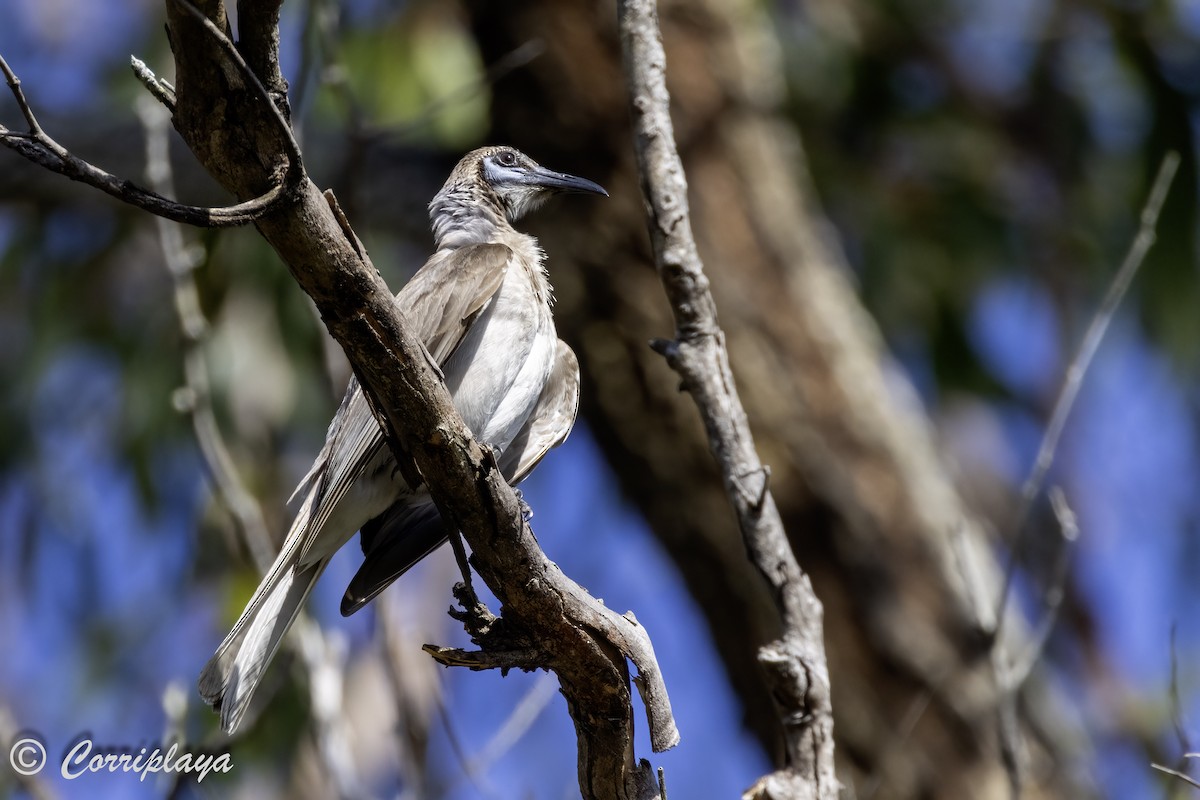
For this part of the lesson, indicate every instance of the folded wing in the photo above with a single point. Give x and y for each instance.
(404, 534)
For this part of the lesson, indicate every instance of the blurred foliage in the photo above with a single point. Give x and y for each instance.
(401, 70)
(84, 269)
(965, 147)
(92, 359)
(952, 142)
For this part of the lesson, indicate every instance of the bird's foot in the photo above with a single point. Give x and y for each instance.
(526, 509)
(475, 616)
(491, 452)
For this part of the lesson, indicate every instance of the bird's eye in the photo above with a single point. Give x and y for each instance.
(507, 158)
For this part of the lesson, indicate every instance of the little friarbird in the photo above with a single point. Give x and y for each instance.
(481, 305)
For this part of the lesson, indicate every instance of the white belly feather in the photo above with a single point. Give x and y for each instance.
(502, 365)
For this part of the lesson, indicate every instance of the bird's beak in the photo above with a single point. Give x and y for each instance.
(562, 182)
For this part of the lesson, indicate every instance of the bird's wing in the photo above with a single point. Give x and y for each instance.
(549, 423)
(404, 534)
(392, 543)
(440, 302)
(449, 292)
(352, 442)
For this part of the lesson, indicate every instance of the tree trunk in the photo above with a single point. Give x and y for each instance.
(872, 515)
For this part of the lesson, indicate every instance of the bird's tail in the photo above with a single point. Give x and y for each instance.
(230, 677)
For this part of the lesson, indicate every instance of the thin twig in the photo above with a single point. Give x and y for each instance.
(460, 752)
(796, 666)
(1055, 591)
(416, 688)
(313, 17)
(162, 91)
(518, 57)
(490, 658)
(460, 557)
(195, 397)
(904, 730)
(321, 42)
(1141, 244)
(38, 147)
(1010, 676)
(321, 658)
(1177, 774)
(522, 717)
(519, 721)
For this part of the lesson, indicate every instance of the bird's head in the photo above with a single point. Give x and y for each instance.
(519, 183)
(492, 185)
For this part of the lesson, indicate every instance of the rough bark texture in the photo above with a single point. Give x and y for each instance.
(548, 621)
(795, 666)
(872, 515)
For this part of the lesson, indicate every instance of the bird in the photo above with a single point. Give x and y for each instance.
(482, 307)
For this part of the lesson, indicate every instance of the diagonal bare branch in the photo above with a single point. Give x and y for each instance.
(1174, 773)
(321, 657)
(1010, 675)
(1082, 359)
(795, 665)
(37, 146)
(1068, 527)
(584, 643)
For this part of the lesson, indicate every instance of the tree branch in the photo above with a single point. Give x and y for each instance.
(795, 665)
(194, 398)
(44, 151)
(236, 136)
(258, 26)
(322, 659)
(1081, 360)
(1174, 773)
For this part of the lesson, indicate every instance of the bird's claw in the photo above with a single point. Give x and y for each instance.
(493, 453)
(526, 509)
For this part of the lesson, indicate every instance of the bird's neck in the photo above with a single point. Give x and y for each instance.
(462, 217)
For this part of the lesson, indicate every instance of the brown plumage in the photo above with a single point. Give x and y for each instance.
(481, 305)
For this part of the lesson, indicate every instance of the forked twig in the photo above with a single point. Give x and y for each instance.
(37, 146)
(1078, 367)
(1068, 526)
(1010, 676)
(290, 145)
